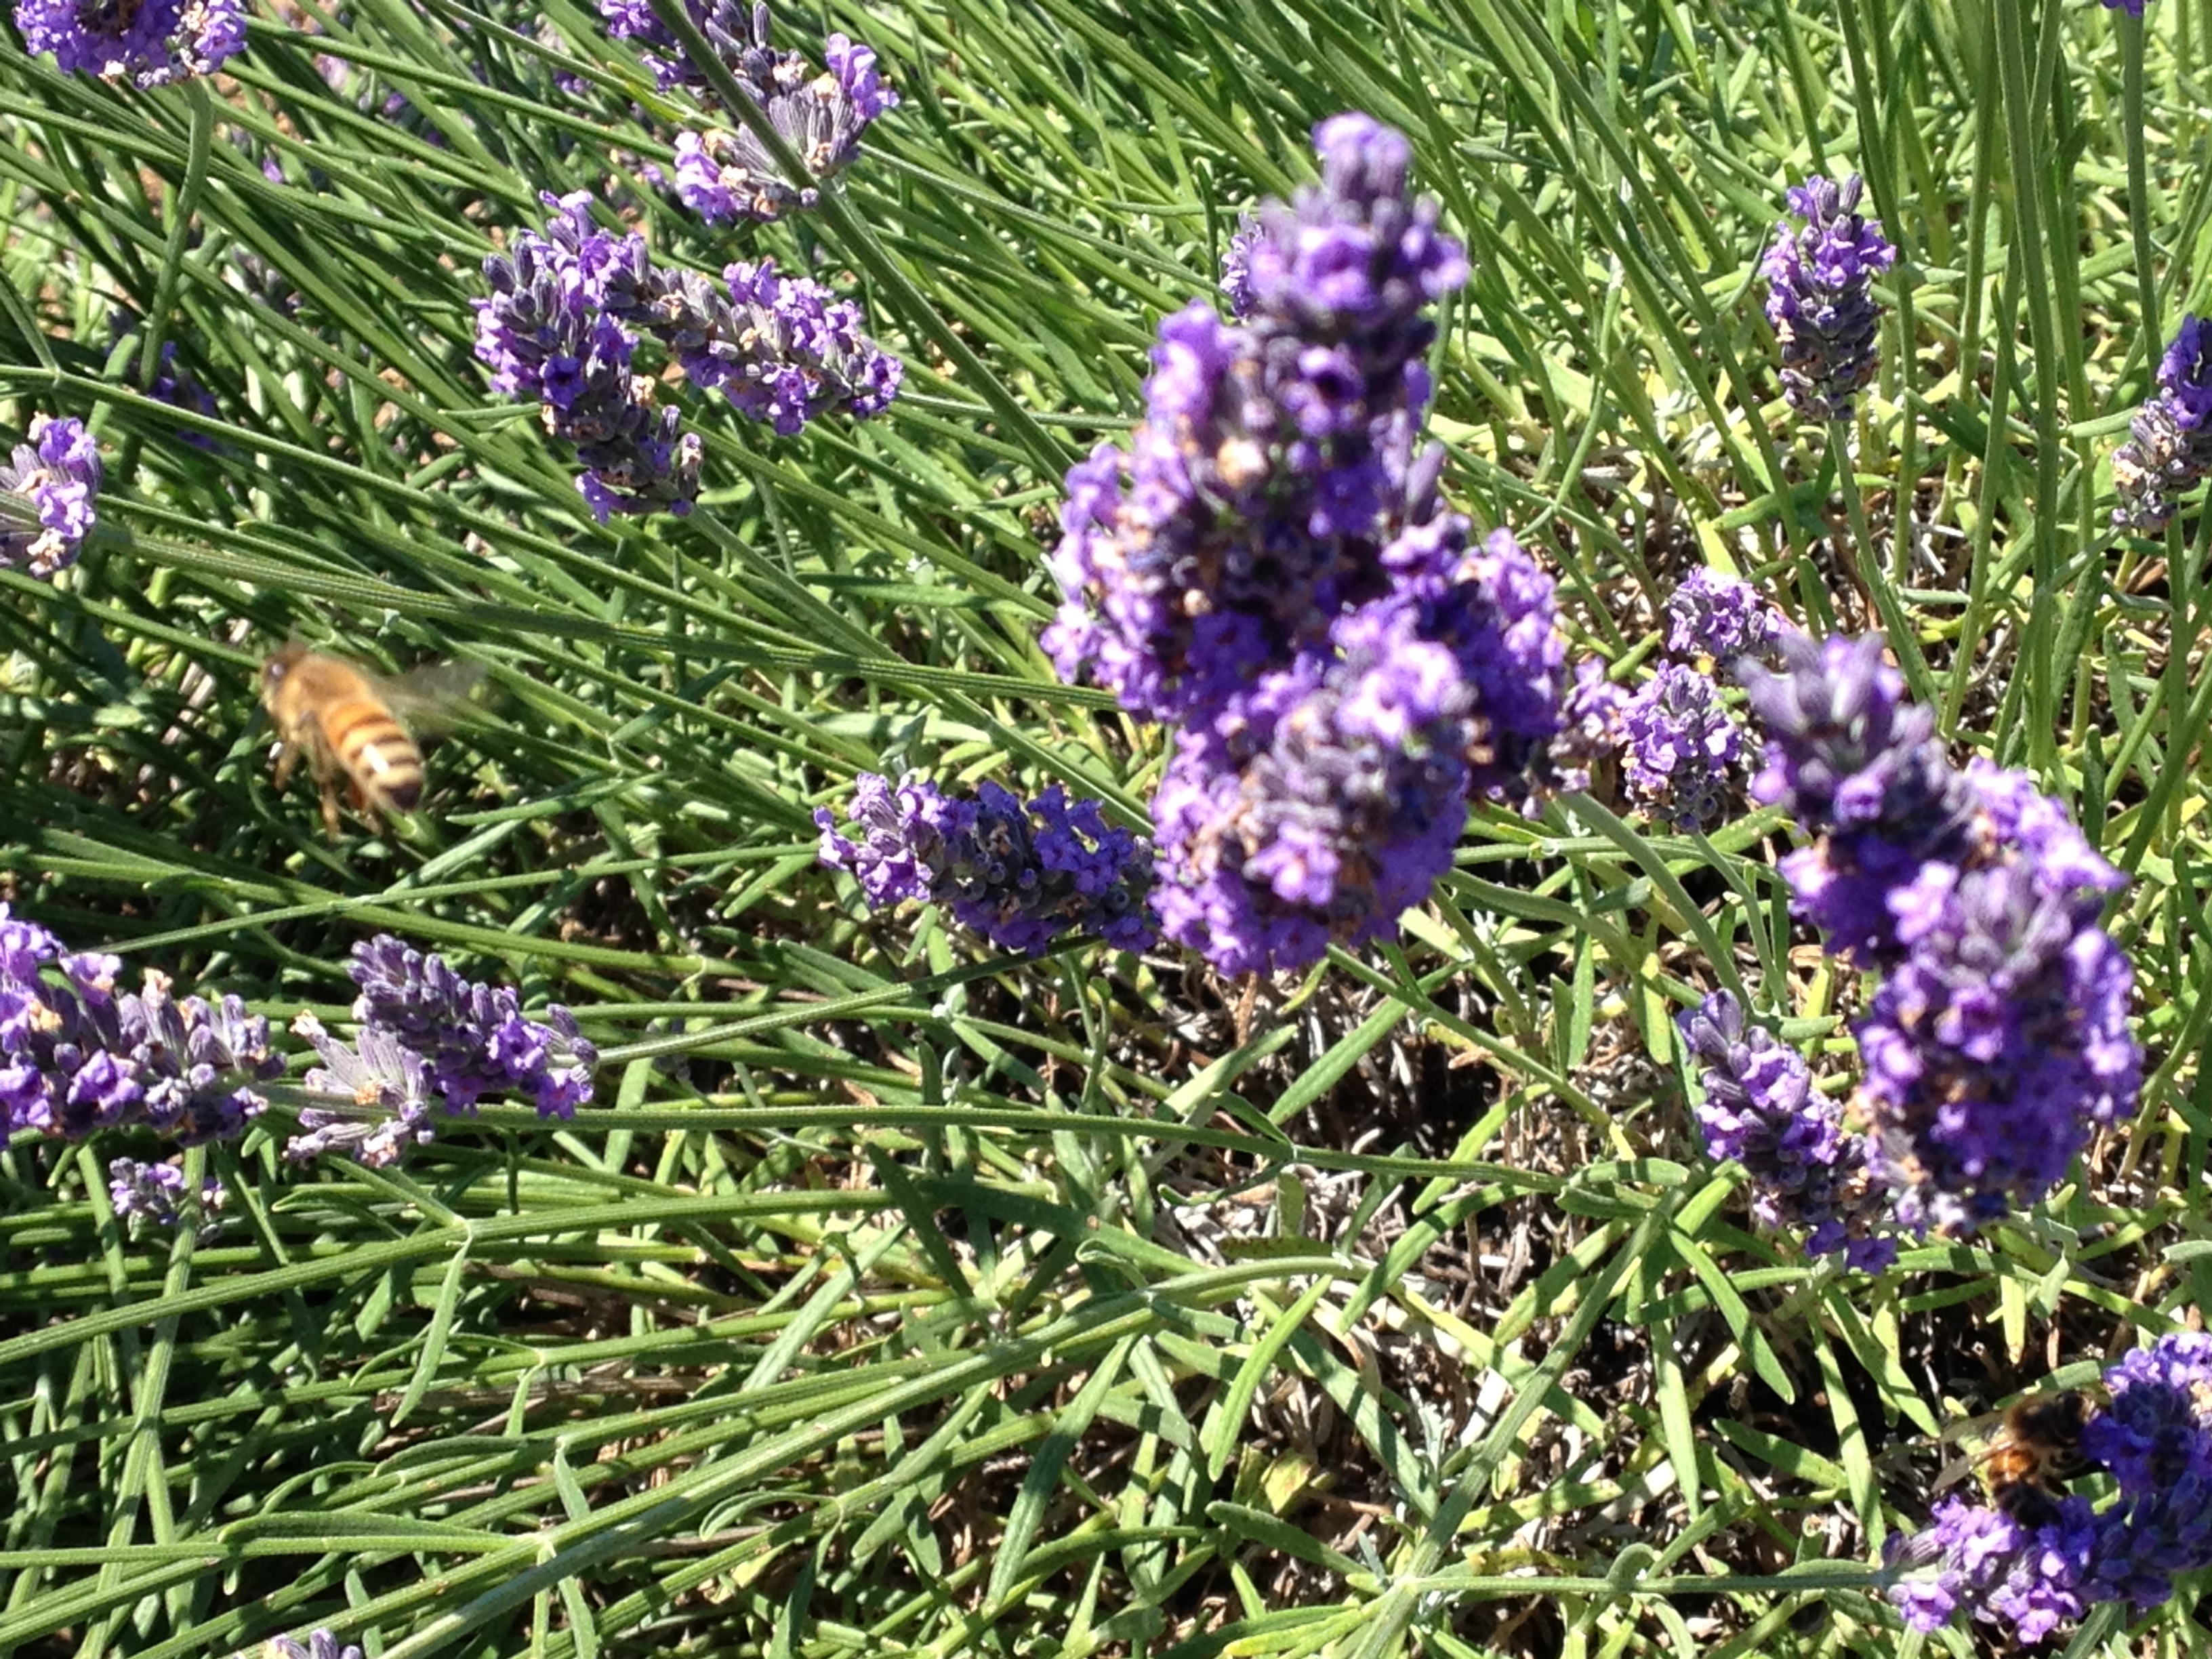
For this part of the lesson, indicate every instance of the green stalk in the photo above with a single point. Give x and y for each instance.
(2131, 127)
(2028, 183)
(1874, 577)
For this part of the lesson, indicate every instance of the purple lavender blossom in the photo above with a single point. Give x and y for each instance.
(58, 474)
(1820, 296)
(1591, 723)
(79, 1057)
(158, 1193)
(1681, 743)
(473, 1038)
(389, 1086)
(2000, 1037)
(2133, 7)
(545, 332)
(151, 44)
(726, 174)
(1276, 459)
(1719, 616)
(1021, 875)
(2169, 447)
(1761, 1109)
(1321, 806)
(2153, 1436)
(786, 350)
(1235, 284)
(1860, 768)
(2004, 1572)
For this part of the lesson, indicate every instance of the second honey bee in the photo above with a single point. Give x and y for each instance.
(2038, 1442)
(346, 720)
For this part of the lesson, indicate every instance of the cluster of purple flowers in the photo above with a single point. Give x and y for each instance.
(158, 1193)
(81, 1056)
(2169, 447)
(1999, 1034)
(1022, 874)
(427, 1035)
(58, 474)
(1269, 568)
(1678, 743)
(726, 174)
(1820, 296)
(1760, 1108)
(561, 322)
(784, 349)
(151, 43)
(2033, 1560)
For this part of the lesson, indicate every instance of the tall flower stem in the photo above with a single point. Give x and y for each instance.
(1880, 591)
(2131, 126)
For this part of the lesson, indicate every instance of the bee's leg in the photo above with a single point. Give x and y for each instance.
(288, 760)
(331, 808)
(326, 778)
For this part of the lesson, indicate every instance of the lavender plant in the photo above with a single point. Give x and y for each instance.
(57, 475)
(151, 43)
(2168, 451)
(1021, 874)
(1819, 276)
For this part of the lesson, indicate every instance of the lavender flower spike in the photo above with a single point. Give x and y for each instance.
(473, 1038)
(157, 1193)
(1681, 743)
(57, 473)
(1820, 297)
(151, 44)
(1719, 617)
(726, 174)
(2169, 447)
(786, 349)
(1020, 874)
(1761, 1109)
(389, 1084)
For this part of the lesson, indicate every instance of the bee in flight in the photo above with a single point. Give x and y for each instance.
(2039, 1441)
(347, 719)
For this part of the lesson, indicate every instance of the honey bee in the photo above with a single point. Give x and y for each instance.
(346, 719)
(2038, 1441)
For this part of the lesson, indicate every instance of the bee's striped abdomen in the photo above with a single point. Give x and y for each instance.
(376, 753)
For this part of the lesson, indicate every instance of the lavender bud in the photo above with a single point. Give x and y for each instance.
(58, 474)
(1020, 874)
(2169, 447)
(472, 1039)
(1681, 744)
(1820, 296)
(1719, 617)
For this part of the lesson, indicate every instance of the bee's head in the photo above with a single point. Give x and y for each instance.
(277, 665)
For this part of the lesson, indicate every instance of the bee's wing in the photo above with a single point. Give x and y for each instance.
(434, 697)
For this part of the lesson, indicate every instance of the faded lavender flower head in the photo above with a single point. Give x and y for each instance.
(79, 1057)
(784, 349)
(1321, 806)
(150, 44)
(2052, 1558)
(158, 1193)
(1820, 296)
(388, 1084)
(1681, 742)
(473, 1038)
(2169, 447)
(1718, 617)
(1999, 1036)
(1022, 875)
(58, 474)
(1760, 1108)
(1275, 461)
(726, 174)
(546, 332)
